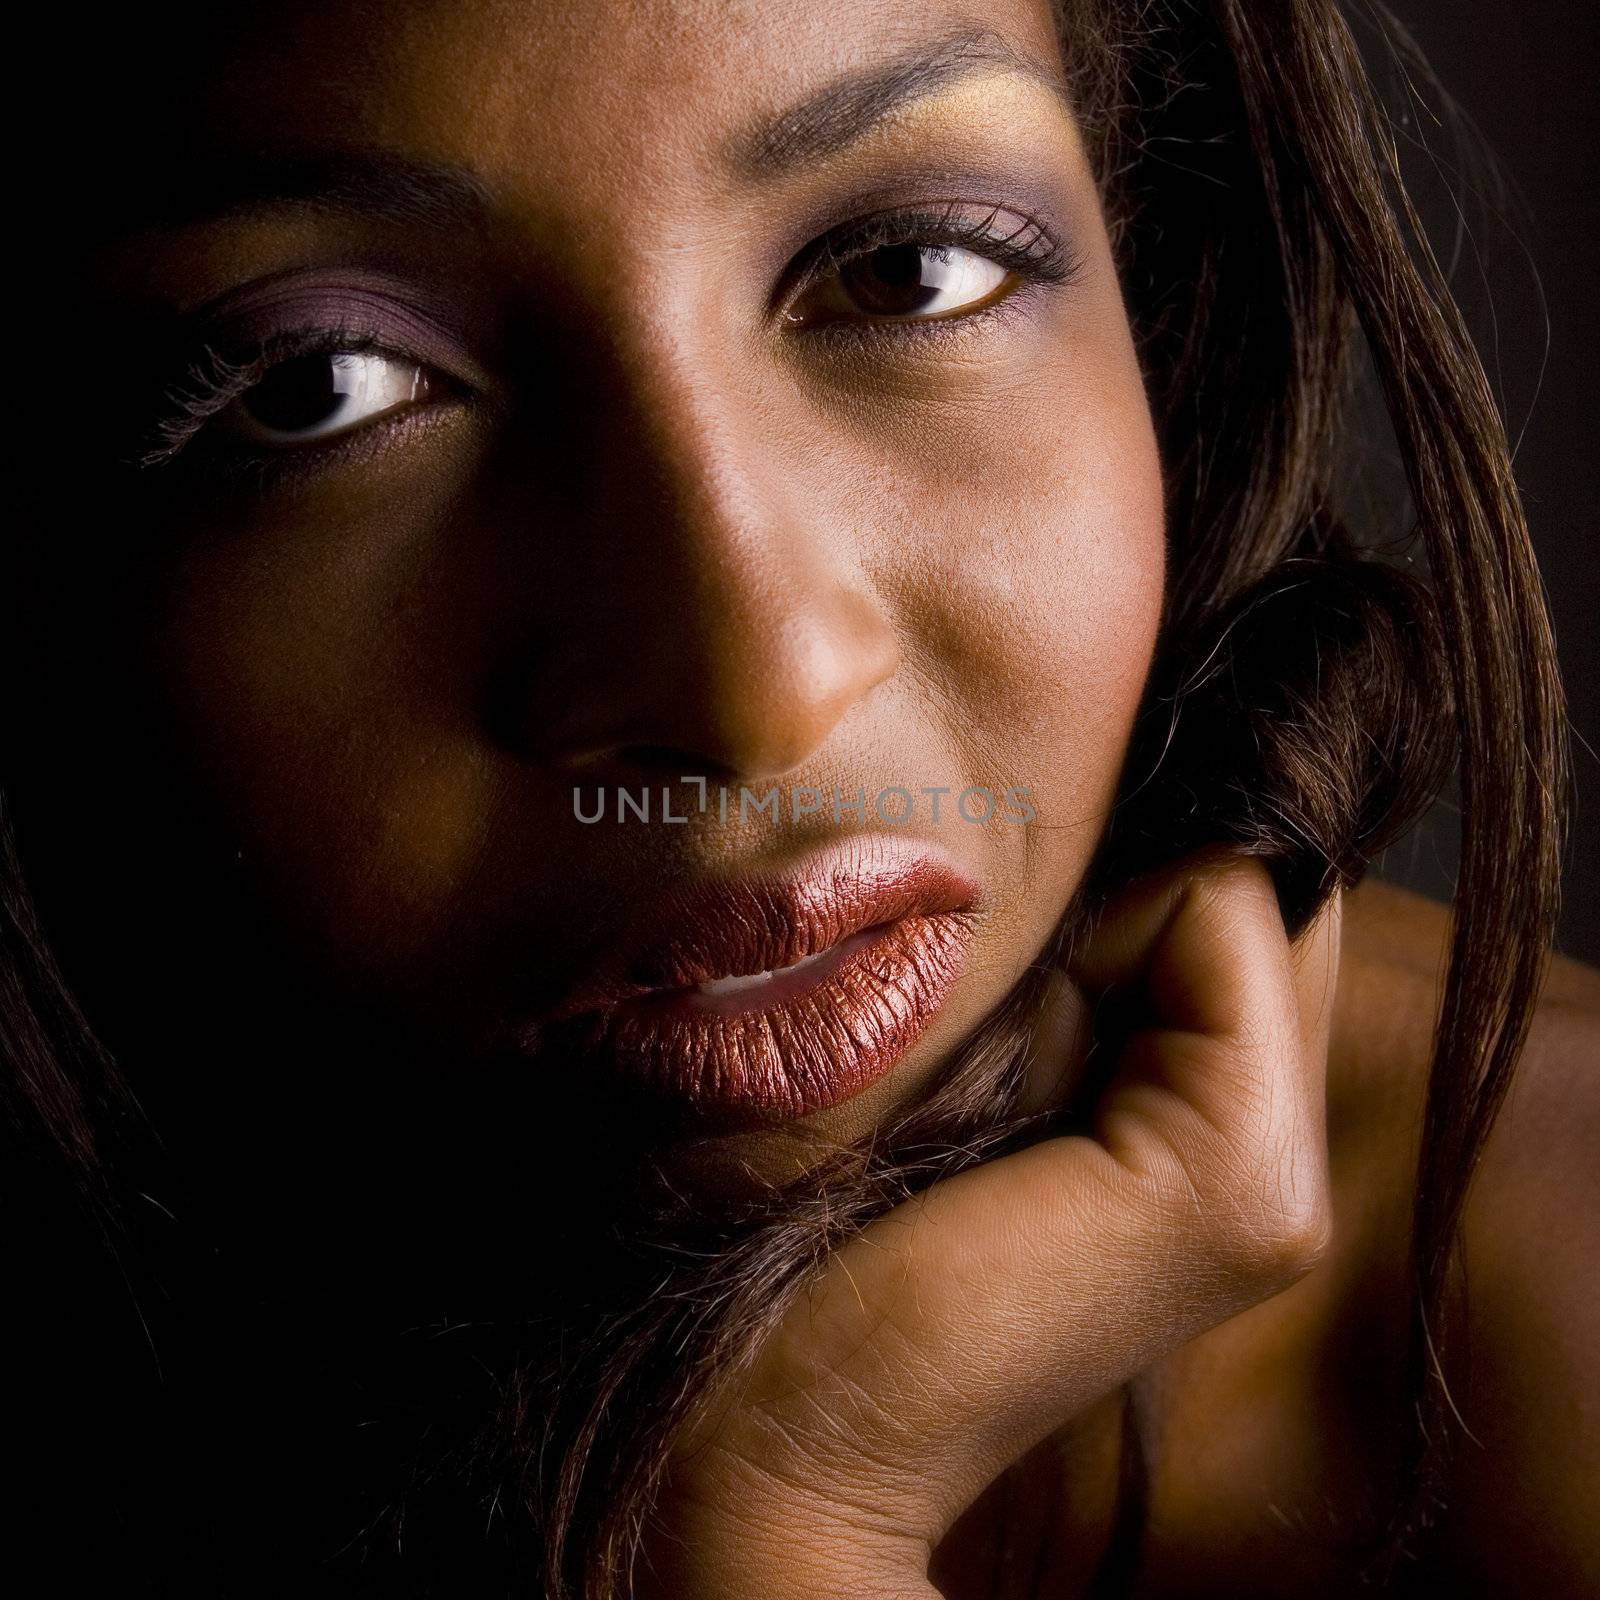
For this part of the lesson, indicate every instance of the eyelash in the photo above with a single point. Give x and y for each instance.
(1029, 250)
(214, 378)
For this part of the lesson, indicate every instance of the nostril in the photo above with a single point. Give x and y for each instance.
(752, 689)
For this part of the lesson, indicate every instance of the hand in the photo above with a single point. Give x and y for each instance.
(954, 1333)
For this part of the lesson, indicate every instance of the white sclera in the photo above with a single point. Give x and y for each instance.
(367, 384)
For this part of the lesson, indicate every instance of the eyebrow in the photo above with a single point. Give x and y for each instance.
(845, 110)
(366, 183)
(405, 191)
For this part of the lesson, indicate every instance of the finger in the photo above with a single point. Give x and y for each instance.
(1063, 1035)
(1218, 1066)
(1200, 945)
(957, 1331)
(1187, 972)
(1315, 959)
(1195, 951)
(1058, 1046)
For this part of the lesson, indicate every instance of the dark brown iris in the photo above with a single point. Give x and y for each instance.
(301, 393)
(896, 280)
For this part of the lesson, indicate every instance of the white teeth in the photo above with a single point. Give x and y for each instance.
(751, 980)
(733, 985)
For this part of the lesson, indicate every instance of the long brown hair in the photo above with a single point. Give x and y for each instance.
(1306, 703)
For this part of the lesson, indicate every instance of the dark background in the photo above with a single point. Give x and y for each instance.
(1519, 240)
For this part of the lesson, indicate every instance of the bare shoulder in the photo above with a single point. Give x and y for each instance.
(1392, 968)
(1270, 1432)
(1526, 1378)
(1387, 926)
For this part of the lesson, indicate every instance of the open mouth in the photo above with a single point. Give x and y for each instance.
(784, 994)
(758, 991)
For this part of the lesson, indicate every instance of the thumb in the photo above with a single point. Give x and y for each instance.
(961, 1328)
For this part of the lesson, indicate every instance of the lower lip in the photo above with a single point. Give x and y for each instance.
(796, 1042)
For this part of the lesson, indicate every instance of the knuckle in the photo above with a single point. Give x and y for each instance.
(1292, 1241)
(1264, 1208)
(1289, 1216)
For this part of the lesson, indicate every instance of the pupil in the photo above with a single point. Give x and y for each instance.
(895, 279)
(297, 394)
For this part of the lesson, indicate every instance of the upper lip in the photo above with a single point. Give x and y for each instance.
(764, 920)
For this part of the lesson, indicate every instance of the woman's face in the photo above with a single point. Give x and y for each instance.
(633, 482)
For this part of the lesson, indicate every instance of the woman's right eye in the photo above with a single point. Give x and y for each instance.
(306, 398)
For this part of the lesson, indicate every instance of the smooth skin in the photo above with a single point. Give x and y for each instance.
(1226, 1240)
(663, 531)
(647, 524)
(963, 1328)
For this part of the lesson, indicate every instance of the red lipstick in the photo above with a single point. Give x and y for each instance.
(780, 992)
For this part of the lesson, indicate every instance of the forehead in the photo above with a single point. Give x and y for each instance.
(611, 89)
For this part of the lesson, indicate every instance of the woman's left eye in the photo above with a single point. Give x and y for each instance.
(924, 270)
(911, 281)
(309, 397)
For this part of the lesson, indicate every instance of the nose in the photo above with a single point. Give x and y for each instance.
(725, 625)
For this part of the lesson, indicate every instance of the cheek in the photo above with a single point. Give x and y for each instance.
(1033, 569)
(1083, 602)
(313, 670)
(325, 667)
